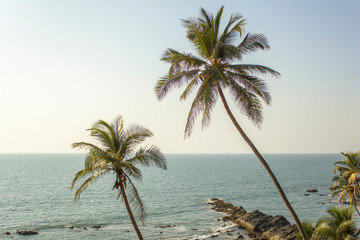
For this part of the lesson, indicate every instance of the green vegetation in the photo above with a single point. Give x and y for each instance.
(212, 71)
(117, 154)
(340, 225)
(346, 183)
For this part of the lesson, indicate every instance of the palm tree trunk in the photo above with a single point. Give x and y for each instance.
(123, 194)
(264, 163)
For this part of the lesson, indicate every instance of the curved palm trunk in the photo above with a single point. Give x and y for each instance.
(127, 205)
(264, 163)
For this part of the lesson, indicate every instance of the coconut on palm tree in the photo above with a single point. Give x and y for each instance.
(216, 69)
(119, 153)
(346, 183)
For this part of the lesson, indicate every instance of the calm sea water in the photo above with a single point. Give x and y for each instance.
(35, 194)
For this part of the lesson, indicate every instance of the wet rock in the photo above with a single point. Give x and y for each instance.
(260, 225)
(96, 226)
(306, 194)
(166, 226)
(26, 232)
(311, 190)
(7, 233)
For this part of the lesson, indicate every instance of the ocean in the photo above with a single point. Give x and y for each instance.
(35, 194)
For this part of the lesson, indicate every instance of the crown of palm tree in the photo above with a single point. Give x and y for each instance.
(213, 69)
(118, 152)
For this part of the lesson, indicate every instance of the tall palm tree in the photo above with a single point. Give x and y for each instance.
(213, 71)
(118, 153)
(346, 183)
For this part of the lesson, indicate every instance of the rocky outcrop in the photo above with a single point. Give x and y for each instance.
(261, 225)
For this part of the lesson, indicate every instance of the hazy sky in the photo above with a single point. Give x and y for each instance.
(65, 64)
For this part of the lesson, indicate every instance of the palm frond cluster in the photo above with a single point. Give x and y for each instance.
(346, 182)
(213, 69)
(339, 225)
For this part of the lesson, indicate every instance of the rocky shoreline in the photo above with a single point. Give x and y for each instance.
(259, 225)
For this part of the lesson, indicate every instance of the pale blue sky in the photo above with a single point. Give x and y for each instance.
(65, 64)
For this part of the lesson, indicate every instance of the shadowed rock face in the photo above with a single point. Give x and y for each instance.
(258, 223)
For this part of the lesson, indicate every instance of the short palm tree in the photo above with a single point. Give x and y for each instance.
(345, 191)
(309, 229)
(346, 183)
(118, 153)
(213, 71)
(340, 225)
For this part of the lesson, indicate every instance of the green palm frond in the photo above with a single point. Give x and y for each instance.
(252, 43)
(210, 96)
(254, 85)
(190, 87)
(228, 35)
(199, 105)
(85, 145)
(135, 135)
(132, 171)
(87, 182)
(252, 69)
(135, 201)
(248, 103)
(309, 229)
(196, 108)
(148, 157)
(181, 61)
(166, 83)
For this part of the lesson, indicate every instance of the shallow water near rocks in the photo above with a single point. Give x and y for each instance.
(35, 194)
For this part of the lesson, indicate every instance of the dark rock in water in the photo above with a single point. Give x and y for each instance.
(7, 233)
(85, 228)
(166, 226)
(346, 202)
(96, 226)
(27, 232)
(321, 194)
(311, 190)
(306, 194)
